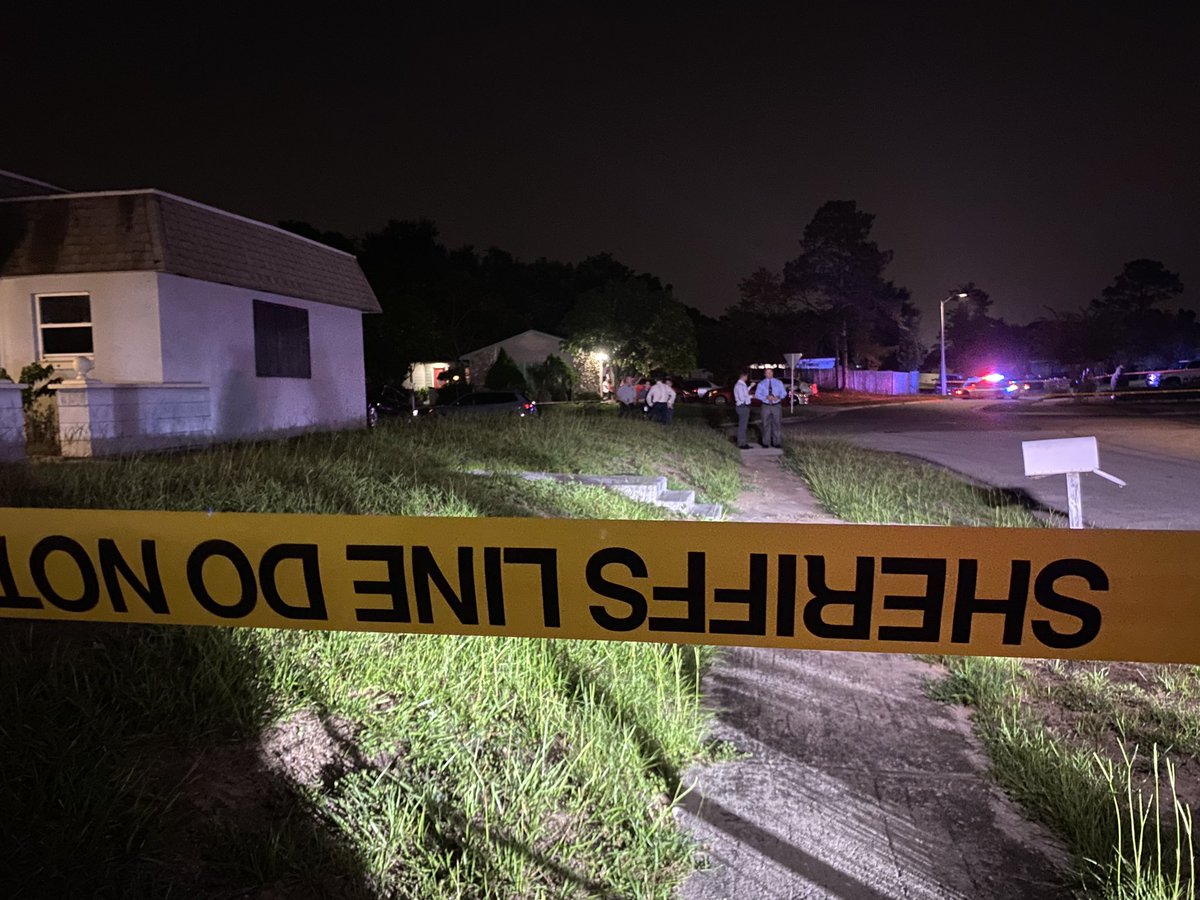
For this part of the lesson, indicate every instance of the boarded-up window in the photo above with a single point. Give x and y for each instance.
(281, 341)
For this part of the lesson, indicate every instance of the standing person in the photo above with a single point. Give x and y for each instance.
(770, 392)
(658, 398)
(669, 413)
(627, 397)
(741, 403)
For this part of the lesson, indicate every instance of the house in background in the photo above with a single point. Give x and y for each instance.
(425, 375)
(174, 322)
(531, 348)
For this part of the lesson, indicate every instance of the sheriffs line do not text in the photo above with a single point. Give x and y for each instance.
(881, 598)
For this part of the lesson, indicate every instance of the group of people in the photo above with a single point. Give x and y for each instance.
(771, 393)
(659, 400)
(659, 404)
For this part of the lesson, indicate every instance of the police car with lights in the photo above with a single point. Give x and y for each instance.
(993, 386)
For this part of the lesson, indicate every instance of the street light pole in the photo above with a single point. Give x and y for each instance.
(959, 295)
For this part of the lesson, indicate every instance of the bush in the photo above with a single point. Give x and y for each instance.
(552, 379)
(504, 375)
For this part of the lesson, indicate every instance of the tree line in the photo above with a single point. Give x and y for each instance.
(833, 299)
(441, 303)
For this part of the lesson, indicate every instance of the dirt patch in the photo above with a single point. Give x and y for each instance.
(230, 794)
(1114, 708)
(311, 751)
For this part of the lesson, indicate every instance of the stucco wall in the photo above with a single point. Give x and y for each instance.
(125, 327)
(103, 419)
(208, 338)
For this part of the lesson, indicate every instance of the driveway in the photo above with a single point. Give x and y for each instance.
(851, 783)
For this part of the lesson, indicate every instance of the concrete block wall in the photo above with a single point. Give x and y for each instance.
(12, 423)
(106, 419)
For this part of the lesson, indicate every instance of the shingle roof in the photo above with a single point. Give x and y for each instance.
(149, 230)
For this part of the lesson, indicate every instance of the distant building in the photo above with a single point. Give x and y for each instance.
(175, 322)
(526, 349)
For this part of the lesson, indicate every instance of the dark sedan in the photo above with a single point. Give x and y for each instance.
(391, 402)
(489, 403)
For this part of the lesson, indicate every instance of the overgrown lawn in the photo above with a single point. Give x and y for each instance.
(148, 761)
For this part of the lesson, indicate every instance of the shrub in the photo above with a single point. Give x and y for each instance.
(504, 375)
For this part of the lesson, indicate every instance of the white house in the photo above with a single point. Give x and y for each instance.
(196, 324)
(531, 348)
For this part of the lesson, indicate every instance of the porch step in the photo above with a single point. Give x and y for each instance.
(643, 488)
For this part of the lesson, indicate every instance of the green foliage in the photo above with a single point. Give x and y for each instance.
(38, 377)
(1126, 322)
(552, 379)
(641, 326)
(975, 339)
(439, 303)
(872, 487)
(504, 374)
(1124, 822)
(840, 273)
(141, 758)
(831, 300)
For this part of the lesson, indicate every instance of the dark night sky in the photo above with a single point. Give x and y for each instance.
(1031, 148)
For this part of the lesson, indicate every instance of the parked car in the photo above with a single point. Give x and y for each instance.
(993, 386)
(690, 389)
(1186, 374)
(724, 395)
(931, 382)
(488, 403)
(390, 402)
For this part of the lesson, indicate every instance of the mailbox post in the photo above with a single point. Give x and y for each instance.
(793, 360)
(1066, 456)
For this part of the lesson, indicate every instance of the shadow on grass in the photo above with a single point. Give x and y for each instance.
(129, 767)
(579, 683)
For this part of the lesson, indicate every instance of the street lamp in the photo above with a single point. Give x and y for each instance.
(958, 295)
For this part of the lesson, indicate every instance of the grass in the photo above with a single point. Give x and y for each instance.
(867, 486)
(1095, 752)
(406, 468)
(159, 762)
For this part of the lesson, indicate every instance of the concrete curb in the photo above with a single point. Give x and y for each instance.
(643, 488)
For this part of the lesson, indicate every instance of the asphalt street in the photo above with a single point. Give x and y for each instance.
(1155, 448)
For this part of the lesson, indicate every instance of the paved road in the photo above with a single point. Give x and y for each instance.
(1155, 449)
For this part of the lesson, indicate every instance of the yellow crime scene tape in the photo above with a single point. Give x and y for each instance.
(1108, 595)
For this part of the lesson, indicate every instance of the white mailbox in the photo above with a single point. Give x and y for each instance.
(1066, 456)
(1058, 457)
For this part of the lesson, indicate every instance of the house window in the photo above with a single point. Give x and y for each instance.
(281, 341)
(64, 325)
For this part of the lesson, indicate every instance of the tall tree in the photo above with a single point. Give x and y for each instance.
(840, 272)
(976, 340)
(1141, 284)
(640, 327)
(1126, 320)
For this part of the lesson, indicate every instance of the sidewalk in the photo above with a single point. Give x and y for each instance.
(852, 783)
